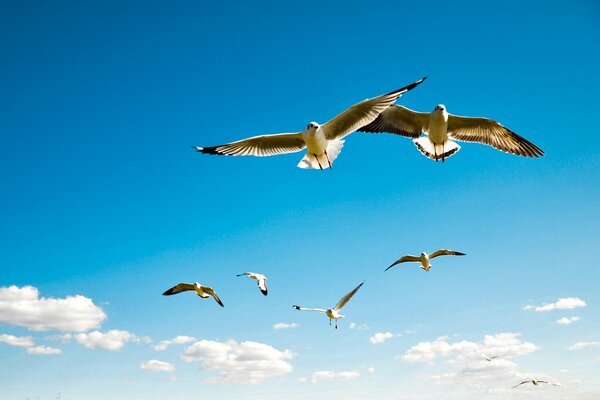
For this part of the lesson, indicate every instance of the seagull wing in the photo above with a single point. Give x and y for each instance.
(521, 384)
(309, 309)
(262, 284)
(260, 146)
(362, 113)
(445, 252)
(210, 291)
(407, 258)
(490, 132)
(244, 274)
(182, 287)
(399, 121)
(346, 298)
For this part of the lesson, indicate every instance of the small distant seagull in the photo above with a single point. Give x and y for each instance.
(333, 313)
(323, 142)
(442, 128)
(535, 383)
(424, 258)
(261, 280)
(489, 359)
(202, 291)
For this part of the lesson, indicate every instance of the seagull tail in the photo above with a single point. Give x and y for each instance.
(309, 161)
(436, 151)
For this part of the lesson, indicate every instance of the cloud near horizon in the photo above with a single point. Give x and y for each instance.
(564, 303)
(27, 343)
(334, 376)
(157, 366)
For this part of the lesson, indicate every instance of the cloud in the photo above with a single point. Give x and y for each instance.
(246, 362)
(22, 306)
(567, 320)
(381, 337)
(111, 340)
(583, 345)
(358, 327)
(564, 303)
(164, 344)
(27, 342)
(157, 366)
(283, 325)
(371, 370)
(501, 344)
(337, 376)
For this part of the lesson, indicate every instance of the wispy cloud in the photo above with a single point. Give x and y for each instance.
(246, 362)
(22, 306)
(583, 345)
(564, 303)
(567, 320)
(157, 366)
(43, 350)
(332, 375)
(356, 326)
(27, 342)
(283, 325)
(381, 337)
(111, 340)
(180, 339)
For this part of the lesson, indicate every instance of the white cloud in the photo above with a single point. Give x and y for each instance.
(22, 306)
(371, 370)
(22, 341)
(246, 362)
(354, 325)
(164, 344)
(567, 320)
(157, 366)
(381, 337)
(43, 350)
(564, 303)
(283, 325)
(111, 340)
(583, 345)
(337, 376)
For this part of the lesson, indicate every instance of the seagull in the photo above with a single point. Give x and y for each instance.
(489, 359)
(261, 280)
(443, 128)
(202, 291)
(424, 258)
(323, 142)
(535, 383)
(333, 313)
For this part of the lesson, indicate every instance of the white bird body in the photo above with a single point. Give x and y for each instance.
(260, 279)
(424, 258)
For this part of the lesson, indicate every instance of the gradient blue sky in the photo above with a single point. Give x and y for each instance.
(103, 197)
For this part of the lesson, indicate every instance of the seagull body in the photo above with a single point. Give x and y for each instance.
(202, 291)
(443, 129)
(323, 143)
(333, 313)
(261, 280)
(489, 359)
(424, 258)
(535, 383)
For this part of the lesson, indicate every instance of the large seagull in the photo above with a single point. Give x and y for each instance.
(323, 143)
(443, 128)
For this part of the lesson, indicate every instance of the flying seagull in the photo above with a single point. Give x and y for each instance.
(443, 128)
(202, 291)
(535, 383)
(333, 313)
(489, 359)
(323, 142)
(424, 258)
(261, 280)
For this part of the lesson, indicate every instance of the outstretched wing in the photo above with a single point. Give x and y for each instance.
(309, 309)
(399, 121)
(492, 133)
(262, 284)
(182, 287)
(521, 384)
(363, 113)
(407, 258)
(445, 252)
(260, 146)
(210, 291)
(346, 298)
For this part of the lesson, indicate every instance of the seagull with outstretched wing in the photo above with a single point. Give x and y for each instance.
(202, 291)
(443, 128)
(323, 143)
(535, 382)
(259, 278)
(424, 258)
(333, 313)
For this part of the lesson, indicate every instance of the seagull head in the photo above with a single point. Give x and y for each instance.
(312, 127)
(440, 108)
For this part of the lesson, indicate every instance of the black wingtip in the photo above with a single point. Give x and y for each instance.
(168, 292)
(264, 292)
(296, 307)
(209, 150)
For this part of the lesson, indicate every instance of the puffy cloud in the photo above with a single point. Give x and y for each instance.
(22, 306)
(164, 344)
(356, 326)
(428, 351)
(111, 340)
(583, 345)
(27, 342)
(157, 366)
(567, 320)
(246, 362)
(564, 303)
(337, 376)
(283, 325)
(381, 337)
(43, 350)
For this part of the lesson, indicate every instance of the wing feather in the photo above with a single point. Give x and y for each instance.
(407, 258)
(210, 291)
(346, 298)
(399, 121)
(445, 252)
(182, 287)
(260, 146)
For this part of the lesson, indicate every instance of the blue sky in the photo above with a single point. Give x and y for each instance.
(103, 198)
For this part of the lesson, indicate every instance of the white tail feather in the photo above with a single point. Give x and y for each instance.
(436, 151)
(309, 161)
